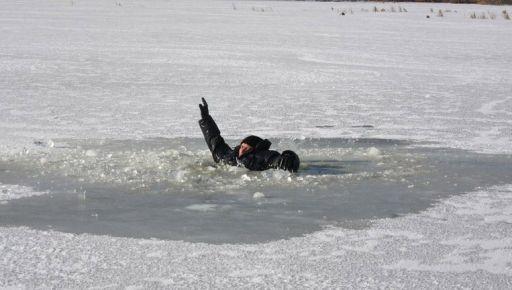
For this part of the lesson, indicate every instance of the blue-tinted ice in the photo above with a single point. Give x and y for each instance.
(171, 188)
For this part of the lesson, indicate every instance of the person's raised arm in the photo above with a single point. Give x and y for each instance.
(220, 150)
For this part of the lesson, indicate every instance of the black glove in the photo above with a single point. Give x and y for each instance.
(289, 161)
(204, 109)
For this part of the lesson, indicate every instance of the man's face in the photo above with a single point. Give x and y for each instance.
(244, 148)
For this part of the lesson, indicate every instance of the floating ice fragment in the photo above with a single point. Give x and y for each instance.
(202, 207)
(258, 195)
(91, 153)
(374, 153)
(10, 192)
(181, 175)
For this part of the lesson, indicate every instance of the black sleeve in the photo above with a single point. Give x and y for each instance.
(220, 150)
(272, 159)
(262, 160)
(288, 160)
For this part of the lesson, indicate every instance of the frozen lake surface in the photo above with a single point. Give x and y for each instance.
(411, 115)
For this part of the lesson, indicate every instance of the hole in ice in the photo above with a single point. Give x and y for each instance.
(171, 188)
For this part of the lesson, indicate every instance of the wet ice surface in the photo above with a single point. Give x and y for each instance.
(171, 188)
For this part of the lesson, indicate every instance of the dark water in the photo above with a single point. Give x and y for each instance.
(171, 189)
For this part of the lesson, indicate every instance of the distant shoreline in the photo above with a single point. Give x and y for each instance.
(482, 2)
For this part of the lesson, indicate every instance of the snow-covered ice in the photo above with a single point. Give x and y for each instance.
(135, 70)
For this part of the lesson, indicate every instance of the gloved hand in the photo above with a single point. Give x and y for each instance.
(289, 161)
(204, 109)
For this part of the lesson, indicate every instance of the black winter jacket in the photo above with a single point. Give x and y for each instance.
(260, 158)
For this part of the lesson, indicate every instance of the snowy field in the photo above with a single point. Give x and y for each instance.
(135, 70)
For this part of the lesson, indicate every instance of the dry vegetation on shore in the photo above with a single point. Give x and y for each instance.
(489, 2)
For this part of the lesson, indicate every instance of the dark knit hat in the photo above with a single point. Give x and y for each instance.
(252, 140)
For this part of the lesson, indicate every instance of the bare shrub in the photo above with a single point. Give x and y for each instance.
(261, 9)
(482, 16)
(440, 13)
(492, 15)
(505, 14)
(472, 15)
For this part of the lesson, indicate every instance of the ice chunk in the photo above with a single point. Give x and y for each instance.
(374, 153)
(202, 207)
(258, 195)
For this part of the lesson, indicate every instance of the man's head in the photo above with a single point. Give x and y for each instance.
(248, 144)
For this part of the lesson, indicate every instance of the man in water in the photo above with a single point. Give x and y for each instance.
(253, 152)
